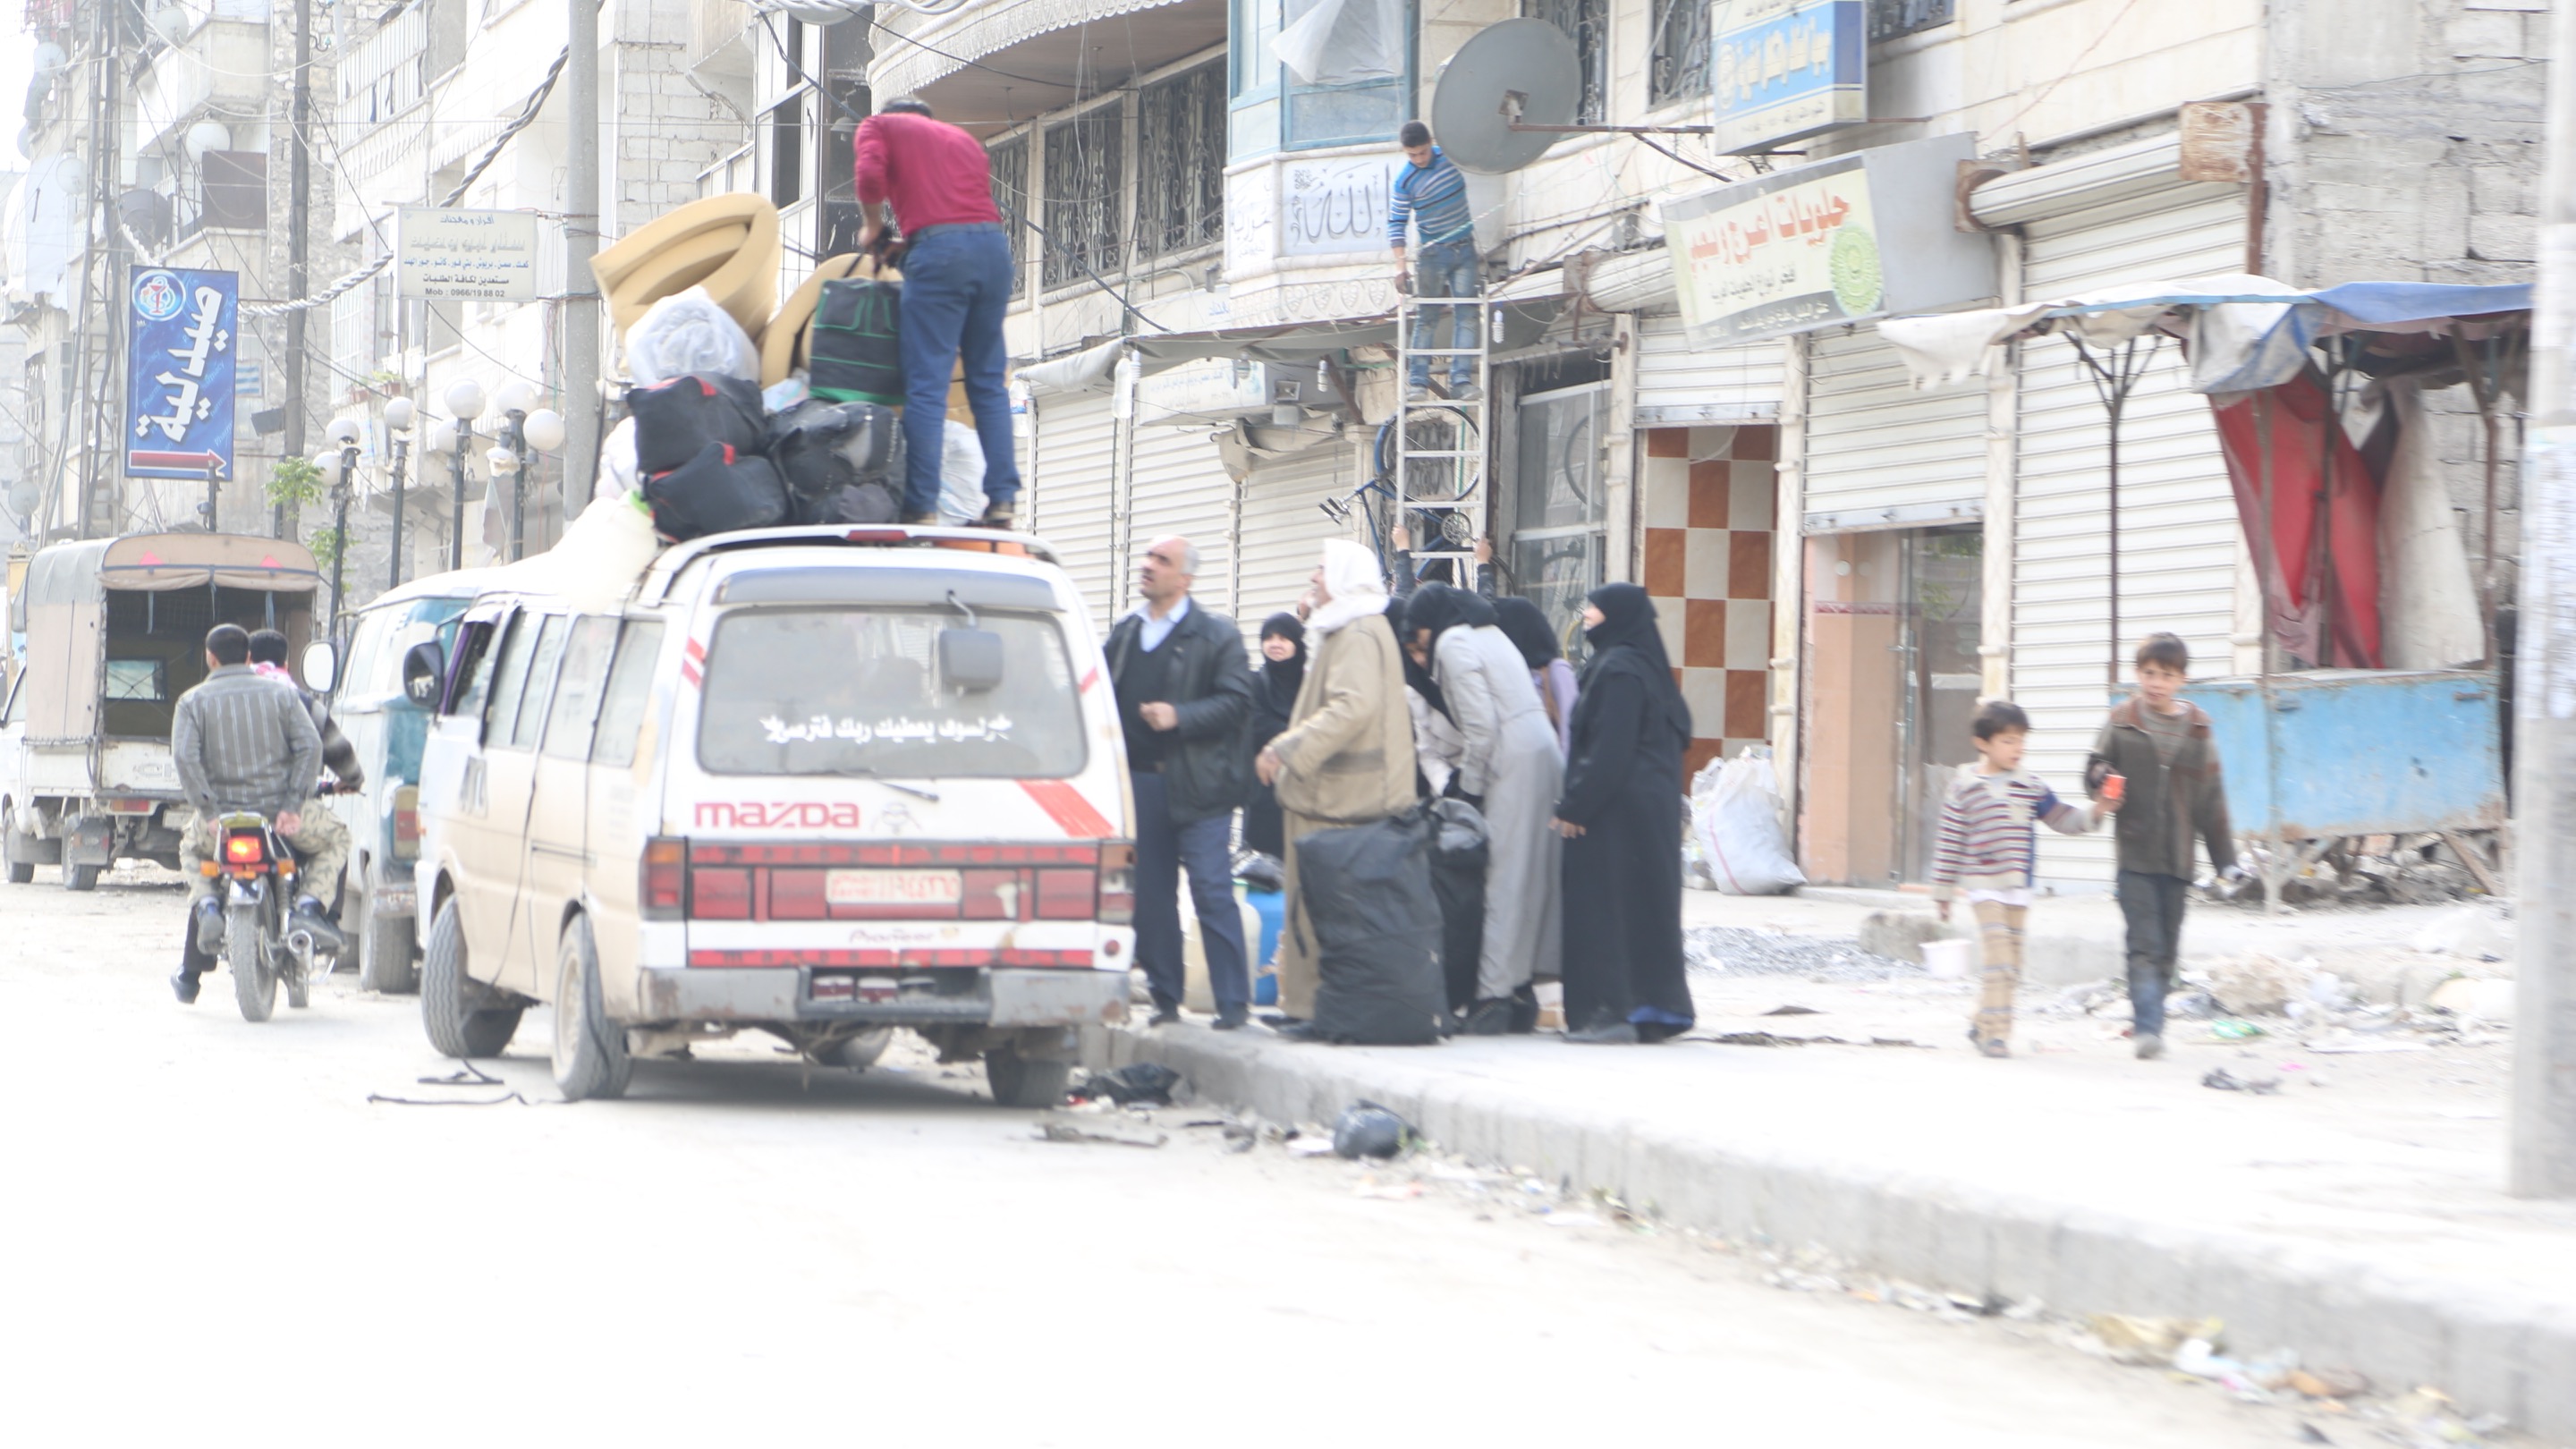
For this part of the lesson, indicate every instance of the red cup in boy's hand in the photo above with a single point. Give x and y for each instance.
(2113, 788)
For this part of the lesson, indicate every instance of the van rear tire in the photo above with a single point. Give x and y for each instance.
(590, 1055)
(1019, 1081)
(451, 1003)
(79, 877)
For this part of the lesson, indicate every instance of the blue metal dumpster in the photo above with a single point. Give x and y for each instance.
(2358, 752)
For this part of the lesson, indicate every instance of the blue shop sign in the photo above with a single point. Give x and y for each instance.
(179, 372)
(1783, 69)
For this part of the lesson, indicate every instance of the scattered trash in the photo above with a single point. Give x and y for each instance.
(2258, 985)
(1138, 1084)
(1741, 951)
(2154, 1341)
(1310, 1147)
(2488, 999)
(2329, 1383)
(1098, 1128)
(2220, 1079)
(1366, 1129)
(2233, 1030)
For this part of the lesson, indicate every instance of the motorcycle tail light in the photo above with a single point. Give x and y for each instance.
(1118, 884)
(243, 849)
(665, 888)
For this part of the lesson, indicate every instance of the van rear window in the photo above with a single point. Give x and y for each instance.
(858, 691)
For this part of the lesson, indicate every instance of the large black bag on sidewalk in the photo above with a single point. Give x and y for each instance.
(1459, 850)
(717, 491)
(676, 419)
(1368, 897)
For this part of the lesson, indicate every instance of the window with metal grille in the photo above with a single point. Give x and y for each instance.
(1588, 23)
(1678, 68)
(1011, 199)
(1180, 162)
(1889, 19)
(1083, 214)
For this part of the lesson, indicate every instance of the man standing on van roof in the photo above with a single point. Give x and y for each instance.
(1185, 704)
(241, 742)
(1431, 192)
(956, 284)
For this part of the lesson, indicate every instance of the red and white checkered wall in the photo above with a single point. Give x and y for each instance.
(1709, 497)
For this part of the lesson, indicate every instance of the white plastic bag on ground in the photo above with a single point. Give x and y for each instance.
(961, 475)
(1740, 837)
(688, 333)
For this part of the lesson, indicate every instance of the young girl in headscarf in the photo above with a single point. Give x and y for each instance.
(1274, 698)
(1527, 628)
(1621, 816)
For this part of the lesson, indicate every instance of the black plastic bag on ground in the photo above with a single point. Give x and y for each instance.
(1366, 1129)
(1368, 897)
(820, 448)
(675, 420)
(718, 491)
(1137, 1084)
(1459, 850)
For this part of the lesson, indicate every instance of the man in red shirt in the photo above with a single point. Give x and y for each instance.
(956, 284)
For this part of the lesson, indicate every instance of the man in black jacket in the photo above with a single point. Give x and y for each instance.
(1185, 703)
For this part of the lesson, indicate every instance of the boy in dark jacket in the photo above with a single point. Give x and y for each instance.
(2159, 751)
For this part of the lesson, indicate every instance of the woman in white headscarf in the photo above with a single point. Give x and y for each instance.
(1346, 757)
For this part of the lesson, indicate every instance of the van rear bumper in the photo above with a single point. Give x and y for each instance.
(998, 996)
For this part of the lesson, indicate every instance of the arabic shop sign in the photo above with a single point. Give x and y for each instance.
(1784, 69)
(447, 255)
(179, 372)
(1336, 205)
(1840, 241)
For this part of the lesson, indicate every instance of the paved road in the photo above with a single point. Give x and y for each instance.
(212, 1231)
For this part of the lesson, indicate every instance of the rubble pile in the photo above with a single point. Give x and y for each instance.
(2253, 995)
(1737, 951)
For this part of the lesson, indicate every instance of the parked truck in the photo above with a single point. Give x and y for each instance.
(115, 632)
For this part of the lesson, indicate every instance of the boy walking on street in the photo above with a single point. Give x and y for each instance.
(1990, 848)
(2157, 758)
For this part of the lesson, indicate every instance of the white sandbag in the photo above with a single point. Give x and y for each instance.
(687, 332)
(961, 475)
(617, 475)
(1738, 821)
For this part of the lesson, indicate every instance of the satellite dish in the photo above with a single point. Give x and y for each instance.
(1521, 70)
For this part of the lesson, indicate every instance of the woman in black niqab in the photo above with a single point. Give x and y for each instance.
(1621, 815)
(1274, 699)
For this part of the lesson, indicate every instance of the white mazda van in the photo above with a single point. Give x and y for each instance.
(818, 782)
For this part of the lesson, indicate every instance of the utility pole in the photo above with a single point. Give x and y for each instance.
(299, 199)
(581, 404)
(2544, 1053)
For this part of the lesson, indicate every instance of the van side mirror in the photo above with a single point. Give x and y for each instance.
(970, 660)
(424, 671)
(321, 666)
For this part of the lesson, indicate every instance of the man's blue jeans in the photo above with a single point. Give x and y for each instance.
(956, 285)
(1445, 269)
(1162, 850)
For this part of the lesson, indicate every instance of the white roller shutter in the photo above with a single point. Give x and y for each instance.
(1176, 484)
(2178, 529)
(1881, 454)
(1283, 528)
(1072, 492)
(1677, 387)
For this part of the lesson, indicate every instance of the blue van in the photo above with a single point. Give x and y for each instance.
(388, 729)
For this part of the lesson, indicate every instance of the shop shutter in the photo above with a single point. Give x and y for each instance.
(1072, 490)
(1282, 528)
(1881, 454)
(1677, 387)
(1176, 484)
(2178, 531)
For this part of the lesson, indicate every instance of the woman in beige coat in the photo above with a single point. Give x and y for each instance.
(1346, 757)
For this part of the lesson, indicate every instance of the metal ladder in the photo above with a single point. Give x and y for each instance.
(1444, 481)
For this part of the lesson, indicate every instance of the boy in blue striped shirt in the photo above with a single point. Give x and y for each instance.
(1433, 195)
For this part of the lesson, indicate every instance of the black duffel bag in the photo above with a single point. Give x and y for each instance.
(1459, 850)
(851, 503)
(717, 491)
(822, 447)
(676, 419)
(857, 342)
(1368, 897)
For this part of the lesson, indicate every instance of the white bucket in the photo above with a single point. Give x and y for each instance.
(1947, 958)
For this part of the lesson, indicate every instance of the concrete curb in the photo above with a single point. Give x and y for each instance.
(2510, 1354)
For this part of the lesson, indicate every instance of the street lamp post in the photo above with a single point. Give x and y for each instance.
(465, 400)
(515, 398)
(398, 420)
(339, 465)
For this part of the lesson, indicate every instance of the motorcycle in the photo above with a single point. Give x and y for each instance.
(264, 943)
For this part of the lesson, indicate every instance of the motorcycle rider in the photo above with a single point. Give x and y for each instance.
(268, 660)
(241, 742)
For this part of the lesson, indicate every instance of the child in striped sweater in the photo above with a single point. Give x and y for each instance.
(1989, 847)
